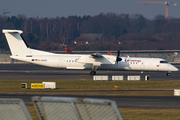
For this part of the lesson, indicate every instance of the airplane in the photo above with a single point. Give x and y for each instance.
(20, 51)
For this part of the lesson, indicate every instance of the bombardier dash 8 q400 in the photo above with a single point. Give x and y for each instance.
(94, 61)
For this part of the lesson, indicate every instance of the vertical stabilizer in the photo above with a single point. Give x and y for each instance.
(16, 43)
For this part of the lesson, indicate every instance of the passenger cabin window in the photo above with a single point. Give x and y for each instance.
(163, 62)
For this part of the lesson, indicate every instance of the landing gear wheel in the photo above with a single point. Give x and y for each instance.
(168, 74)
(92, 72)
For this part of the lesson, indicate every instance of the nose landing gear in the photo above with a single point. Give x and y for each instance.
(168, 74)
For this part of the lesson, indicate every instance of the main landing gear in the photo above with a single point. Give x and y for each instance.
(93, 72)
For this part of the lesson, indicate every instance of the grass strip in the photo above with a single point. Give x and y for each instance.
(149, 114)
(134, 114)
(69, 86)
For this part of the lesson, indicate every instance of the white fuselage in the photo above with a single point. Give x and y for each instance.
(68, 61)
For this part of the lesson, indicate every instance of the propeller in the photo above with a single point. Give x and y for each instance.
(118, 58)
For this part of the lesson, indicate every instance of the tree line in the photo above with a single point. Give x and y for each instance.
(119, 31)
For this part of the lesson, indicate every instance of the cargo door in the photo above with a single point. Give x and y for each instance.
(60, 62)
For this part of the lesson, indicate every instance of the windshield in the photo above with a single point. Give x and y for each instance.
(163, 62)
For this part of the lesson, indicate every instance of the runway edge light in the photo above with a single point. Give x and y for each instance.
(115, 87)
(24, 85)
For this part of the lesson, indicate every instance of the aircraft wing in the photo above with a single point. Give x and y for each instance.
(97, 59)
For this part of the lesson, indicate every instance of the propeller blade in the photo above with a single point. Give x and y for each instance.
(118, 53)
(118, 58)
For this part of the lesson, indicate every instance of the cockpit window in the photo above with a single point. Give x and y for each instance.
(163, 62)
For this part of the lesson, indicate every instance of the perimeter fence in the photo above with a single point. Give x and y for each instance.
(60, 108)
(13, 109)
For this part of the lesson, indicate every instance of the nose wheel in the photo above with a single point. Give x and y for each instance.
(168, 74)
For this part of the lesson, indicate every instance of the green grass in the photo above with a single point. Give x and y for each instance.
(63, 85)
(13, 86)
(134, 114)
(150, 114)
(33, 112)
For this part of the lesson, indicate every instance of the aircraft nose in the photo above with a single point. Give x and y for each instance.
(174, 68)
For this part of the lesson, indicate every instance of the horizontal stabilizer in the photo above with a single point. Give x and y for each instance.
(12, 31)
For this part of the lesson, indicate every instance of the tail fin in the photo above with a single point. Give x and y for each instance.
(16, 43)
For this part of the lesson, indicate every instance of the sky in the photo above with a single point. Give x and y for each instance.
(65, 8)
